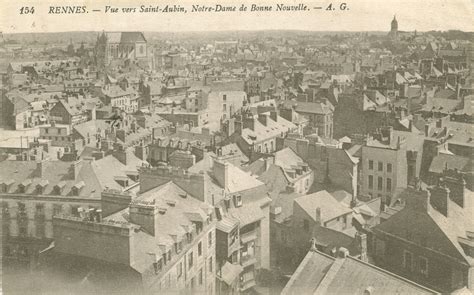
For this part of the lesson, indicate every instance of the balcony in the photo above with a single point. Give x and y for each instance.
(247, 281)
(248, 260)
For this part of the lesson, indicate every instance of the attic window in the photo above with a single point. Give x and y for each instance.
(237, 200)
(58, 188)
(76, 189)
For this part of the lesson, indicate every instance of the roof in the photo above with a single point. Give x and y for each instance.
(319, 273)
(240, 180)
(311, 107)
(262, 132)
(443, 161)
(109, 169)
(437, 230)
(287, 158)
(125, 37)
(173, 223)
(56, 173)
(330, 207)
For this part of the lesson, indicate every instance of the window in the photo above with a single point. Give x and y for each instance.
(389, 168)
(306, 224)
(200, 249)
(407, 260)
(380, 166)
(57, 209)
(224, 107)
(210, 264)
(423, 263)
(179, 269)
(380, 183)
(190, 260)
(46, 130)
(157, 265)
(238, 200)
(389, 184)
(209, 239)
(200, 277)
(371, 182)
(224, 97)
(371, 165)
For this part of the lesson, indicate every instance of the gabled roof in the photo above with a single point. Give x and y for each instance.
(438, 231)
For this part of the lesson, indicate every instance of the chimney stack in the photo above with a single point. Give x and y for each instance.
(75, 168)
(362, 241)
(263, 118)
(221, 173)
(439, 199)
(144, 215)
(274, 116)
(318, 216)
(41, 167)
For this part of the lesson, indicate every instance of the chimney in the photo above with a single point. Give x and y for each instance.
(75, 168)
(41, 167)
(362, 241)
(249, 122)
(318, 216)
(263, 118)
(221, 173)
(427, 130)
(274, 116)
(343, 252)
(439, 199)
(268, 162)
(144, 215)
(120, 155)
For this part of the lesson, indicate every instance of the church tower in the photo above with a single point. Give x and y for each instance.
(394, 29)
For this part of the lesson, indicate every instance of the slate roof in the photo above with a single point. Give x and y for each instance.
(125, 37)
(330, 207)
(439, 232)
(56, 173)
(319, 273)
(442, 161)
(173, 224)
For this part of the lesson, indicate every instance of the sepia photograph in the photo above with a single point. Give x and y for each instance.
(236, 147)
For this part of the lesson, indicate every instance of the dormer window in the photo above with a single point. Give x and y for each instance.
(237, 200)
(58, 188)
(40, 187)
(76, 189)
(23, 186)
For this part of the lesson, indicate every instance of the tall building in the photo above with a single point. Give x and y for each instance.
(393, 29)
(120, 46)
(160, 239)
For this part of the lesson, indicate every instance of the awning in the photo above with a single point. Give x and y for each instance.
(230, 272)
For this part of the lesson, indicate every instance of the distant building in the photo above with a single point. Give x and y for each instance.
(393, 29)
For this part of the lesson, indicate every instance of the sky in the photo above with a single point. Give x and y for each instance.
(362, 15)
